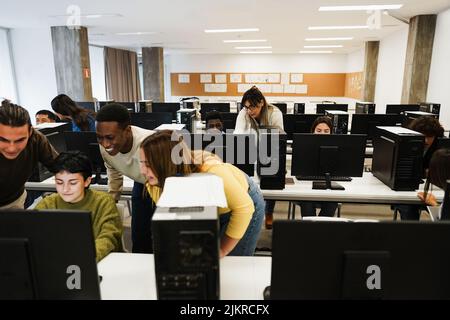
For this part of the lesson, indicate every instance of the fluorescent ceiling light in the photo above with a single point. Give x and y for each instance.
(243, 41)
(231, 30)
(329, 39)
(317, 51)
(327, 46)
(261, 47)
(362, 8)
(135, 33)
(338, 27)
(255, 52)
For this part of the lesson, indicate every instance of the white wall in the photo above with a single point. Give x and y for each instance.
(438, 85)
(97, 62)
(355, 61)
(7, 86)
(391, 64)
(35, 69)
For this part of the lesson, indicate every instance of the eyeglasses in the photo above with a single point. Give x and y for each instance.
(251, 107)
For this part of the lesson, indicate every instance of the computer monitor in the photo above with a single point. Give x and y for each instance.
(363, 123)
(101, 104)
(430, 107)
(321, 107)
(229, 120)
(365, 107)
(360, 260)
(328, 155)
(131, 106)
(86, 141)
(445, 213)
(400, 108)
(410, 116)
(217, 106)
(47, 255)
(171, 107)
(299, 108)
(150, 120)
(282, 106)
(90, 105)
(298, 123)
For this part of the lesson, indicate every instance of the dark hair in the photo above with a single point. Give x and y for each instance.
(439, 169)
(50, 114)
(322, 119)
(13, 115)
(114, 112)
(253, 96)
(427, 125)
(73, 162)
(213, 115)
(62, 104)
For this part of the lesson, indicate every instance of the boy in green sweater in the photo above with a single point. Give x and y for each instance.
(73, 172)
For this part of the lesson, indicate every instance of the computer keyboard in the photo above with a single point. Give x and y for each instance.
(332, 178)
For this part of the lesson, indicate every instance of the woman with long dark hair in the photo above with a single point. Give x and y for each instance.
(82, 119)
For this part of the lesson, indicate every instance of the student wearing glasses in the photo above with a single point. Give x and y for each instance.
(256, 113)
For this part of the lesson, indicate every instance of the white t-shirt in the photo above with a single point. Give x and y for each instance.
(243, 121)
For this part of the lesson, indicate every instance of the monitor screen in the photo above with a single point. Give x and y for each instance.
(366, 123)
(86, 141)
(150, 120)
(229, 120)
(101, 104)
(333, 154)
(321, 107)
(47, 255)
(171, 107)
(208, 107)
(282, 106)
(298, 123)
(360, 260)
(399, 108)
(90, 105)
(299, 107)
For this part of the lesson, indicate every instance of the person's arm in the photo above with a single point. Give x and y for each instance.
(45, 203)
(46, 152)
(115, 178)
(277, 119)
(241, 123)
(109, 223)
(430, 200)
(226, 245)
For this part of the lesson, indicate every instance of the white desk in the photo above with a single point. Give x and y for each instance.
(132, 276)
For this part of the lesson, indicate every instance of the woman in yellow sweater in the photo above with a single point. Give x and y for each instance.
(164, 154)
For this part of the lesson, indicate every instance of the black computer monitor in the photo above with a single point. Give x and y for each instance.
(445, 213)
(400, 108)
(363, 123)
(55, 134)
(90, 105)
(282, 106)
(217, 106)
(151, 120)
(299, 107)
(321, 107)
(172, 107)
(410, 116)
(298, 123)
(86, 141)
(360, 260)
(229, 120)
(131, 106)
(47, 255)
(328, 155)
(101, 104)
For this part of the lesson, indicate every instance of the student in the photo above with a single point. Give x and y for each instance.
(431, 129)
(322, 125)
(240, 223)
(43, 116)
(214, 121)
(82, 119)
(73, 171)
(256, 113)
(21, 149)
(119, 146)
(438, 174)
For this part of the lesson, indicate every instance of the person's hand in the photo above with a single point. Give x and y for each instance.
(430, 200)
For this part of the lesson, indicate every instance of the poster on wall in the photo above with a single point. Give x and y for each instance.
(221, 78)
(214, 87)
(242, 87)
(296, 77)
(205, 78)
(183, 78)
(235, 78)
(301, 88)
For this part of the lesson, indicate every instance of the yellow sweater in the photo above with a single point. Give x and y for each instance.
(236, 191)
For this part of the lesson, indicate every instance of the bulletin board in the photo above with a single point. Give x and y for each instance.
(353, 85)
(295, 84)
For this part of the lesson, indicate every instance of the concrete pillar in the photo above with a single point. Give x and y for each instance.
(72, 66)
(418, 58)
(370, 70)
(153, 73)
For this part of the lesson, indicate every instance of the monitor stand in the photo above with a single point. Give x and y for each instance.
(327, 184)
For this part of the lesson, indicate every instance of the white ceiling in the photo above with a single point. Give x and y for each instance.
(179, 24)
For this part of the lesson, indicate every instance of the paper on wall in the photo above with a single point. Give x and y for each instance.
(289, 88)
(277, 88)
(214, 87)
(235, 78)
(242, 87)
(296, 77)
(205, 78)
(301, 88)
(183, 78)
(221, 78)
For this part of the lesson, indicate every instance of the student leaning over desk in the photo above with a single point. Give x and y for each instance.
(240, 223)
(73, 171)
(256, 113)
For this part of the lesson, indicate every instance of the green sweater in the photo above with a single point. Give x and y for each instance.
(106, 221)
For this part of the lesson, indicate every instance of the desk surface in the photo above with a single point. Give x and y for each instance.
(132, 276)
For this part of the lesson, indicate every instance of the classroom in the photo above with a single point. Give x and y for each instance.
(224, 150)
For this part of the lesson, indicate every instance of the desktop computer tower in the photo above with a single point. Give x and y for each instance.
(271, 164)
(410, 116)
(299, 108)
(365, 107)
(187, 117)
(186, 253)
(144, 106)
(339, 120)
(397, 157)
(430, 107)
